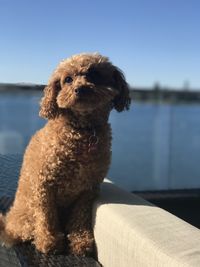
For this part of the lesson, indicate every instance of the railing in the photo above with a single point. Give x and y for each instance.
(156, 145)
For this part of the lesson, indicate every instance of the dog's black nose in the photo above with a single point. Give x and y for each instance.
(82, 91)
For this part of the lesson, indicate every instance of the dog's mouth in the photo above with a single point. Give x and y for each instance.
(85, 102)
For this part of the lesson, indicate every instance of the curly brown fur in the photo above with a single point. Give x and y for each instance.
(66, 161)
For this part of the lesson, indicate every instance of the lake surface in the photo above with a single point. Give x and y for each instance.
(155, 145)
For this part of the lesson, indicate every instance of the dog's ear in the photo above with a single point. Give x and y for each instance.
(48, 105)
(122, 100)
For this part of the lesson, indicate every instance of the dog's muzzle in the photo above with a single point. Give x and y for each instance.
(83, 91)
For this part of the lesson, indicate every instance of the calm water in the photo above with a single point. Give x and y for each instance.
(155, 146)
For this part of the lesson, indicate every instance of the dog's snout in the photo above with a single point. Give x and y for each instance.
(83, 91)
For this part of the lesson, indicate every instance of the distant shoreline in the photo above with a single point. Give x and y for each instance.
(141, 94)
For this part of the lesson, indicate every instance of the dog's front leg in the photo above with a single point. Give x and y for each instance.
(47, 237)
(79, 225)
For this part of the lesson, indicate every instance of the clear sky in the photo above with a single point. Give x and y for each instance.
(150, 40)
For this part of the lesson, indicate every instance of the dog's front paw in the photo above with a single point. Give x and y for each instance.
(81, 243)
(50, 243)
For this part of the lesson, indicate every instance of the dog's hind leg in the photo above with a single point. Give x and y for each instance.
(6, 237)
(16, 226)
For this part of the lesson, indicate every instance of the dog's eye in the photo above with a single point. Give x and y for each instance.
(94, 76)
(68, 79)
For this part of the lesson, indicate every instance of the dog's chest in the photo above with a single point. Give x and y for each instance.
(85, 160)
(85, 146)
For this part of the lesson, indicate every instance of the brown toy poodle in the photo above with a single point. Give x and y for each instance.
(66, 161)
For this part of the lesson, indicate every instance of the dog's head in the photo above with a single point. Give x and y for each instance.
(85, 82)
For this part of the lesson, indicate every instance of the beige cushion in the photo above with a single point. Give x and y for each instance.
(130, 231)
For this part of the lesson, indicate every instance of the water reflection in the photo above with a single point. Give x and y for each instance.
(18, 120)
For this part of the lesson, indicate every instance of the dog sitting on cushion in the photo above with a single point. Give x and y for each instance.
(66, 161)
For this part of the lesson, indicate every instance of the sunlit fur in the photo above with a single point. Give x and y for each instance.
(60, 174)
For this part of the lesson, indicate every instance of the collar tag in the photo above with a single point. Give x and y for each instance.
(93, 142)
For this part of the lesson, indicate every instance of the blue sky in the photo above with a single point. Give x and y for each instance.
(150, 40)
